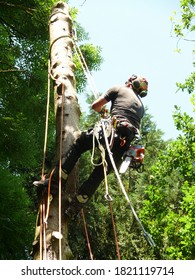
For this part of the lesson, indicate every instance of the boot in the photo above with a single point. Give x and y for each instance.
(44, 183)
(75, 204)
(41, 183)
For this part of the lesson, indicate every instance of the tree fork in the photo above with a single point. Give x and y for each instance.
(66, 108)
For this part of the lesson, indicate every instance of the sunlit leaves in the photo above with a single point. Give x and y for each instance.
(169, 203)
(183, 27)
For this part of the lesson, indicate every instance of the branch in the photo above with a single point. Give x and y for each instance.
(190, 40)
(11, 27)
(27, 10)
(180, 38)
(83, 3)
(11, 70)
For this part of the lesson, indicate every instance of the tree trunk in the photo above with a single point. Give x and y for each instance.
(51, 238)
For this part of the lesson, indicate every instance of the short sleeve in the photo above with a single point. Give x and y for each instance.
(111, 93)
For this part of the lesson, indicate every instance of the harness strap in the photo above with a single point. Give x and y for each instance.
(96, 131)
(120, 120)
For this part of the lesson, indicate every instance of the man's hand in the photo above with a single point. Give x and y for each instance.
(104, 112)
(98, 104)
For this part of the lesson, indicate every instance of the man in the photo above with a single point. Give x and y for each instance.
(126, 112)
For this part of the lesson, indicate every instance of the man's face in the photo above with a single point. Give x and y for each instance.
(143, 83)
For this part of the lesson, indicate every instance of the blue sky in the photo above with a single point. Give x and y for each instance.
(135, 37)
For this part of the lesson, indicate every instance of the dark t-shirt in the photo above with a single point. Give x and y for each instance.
(126, 103)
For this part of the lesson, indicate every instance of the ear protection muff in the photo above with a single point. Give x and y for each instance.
(136, 84)
(143, 93)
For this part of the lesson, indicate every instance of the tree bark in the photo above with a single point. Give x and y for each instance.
(52, 242)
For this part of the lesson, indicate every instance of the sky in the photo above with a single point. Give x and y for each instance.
(136, 38)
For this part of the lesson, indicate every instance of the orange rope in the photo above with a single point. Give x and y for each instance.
(48, 195)
(114, 229)
(41, 232)
(46, 123)
(86, 233)
(42, 214)
(44, 233)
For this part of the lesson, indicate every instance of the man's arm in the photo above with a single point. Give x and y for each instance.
(98, 103)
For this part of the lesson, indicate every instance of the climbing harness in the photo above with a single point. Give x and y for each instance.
(98, 136)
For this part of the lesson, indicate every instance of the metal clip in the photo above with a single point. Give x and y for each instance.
(108, 197)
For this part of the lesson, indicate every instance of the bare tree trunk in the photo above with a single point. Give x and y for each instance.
(66, 109)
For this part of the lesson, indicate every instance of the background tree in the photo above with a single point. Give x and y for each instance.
(23, 83)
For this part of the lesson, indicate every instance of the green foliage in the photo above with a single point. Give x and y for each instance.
(151, 138)
(183, 27)
(169, 203)
(188, 85)
(23, 84)
(186, 19)
(23, 91)
(16, 217)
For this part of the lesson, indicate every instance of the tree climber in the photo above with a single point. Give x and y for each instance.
(126, 112)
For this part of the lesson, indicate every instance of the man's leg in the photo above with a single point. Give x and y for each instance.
(81, 145)
(89, 187)
(85, 192)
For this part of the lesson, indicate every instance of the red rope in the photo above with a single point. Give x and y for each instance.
(86, 233)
